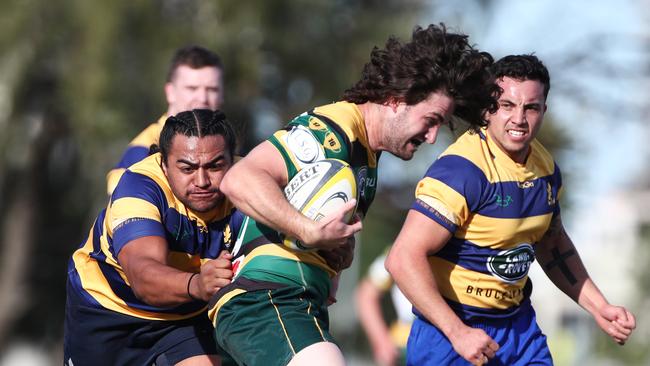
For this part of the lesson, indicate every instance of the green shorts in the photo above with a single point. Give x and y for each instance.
(268, 327)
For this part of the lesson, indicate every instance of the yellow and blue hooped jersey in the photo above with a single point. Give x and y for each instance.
(143, 205)
(496, 210)
(137, 150)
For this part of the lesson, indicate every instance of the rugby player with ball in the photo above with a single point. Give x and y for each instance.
(275, 310)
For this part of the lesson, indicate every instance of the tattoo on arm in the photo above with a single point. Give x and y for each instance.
(555, 228)
(559, 260)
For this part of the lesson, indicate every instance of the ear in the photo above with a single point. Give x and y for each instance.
(393, 104)
(169, 93)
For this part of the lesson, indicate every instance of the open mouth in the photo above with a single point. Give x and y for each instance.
(516, 133)
(416, 142)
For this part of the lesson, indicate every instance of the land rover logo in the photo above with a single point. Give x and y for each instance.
(512, 265)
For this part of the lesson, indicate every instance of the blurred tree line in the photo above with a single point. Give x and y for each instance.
(79, 79)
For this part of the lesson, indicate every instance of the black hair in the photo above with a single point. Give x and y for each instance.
(199, 123)
(434, 60)
(523, 67)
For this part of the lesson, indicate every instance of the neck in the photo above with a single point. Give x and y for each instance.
(371, 113)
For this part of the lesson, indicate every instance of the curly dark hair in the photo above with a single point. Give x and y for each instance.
(196, 57)
(523, 67)
(434, 60)
(197, 122)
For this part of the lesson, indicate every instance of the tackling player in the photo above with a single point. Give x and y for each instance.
(137, 288)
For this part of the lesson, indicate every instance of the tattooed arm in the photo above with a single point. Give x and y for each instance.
(560, 260)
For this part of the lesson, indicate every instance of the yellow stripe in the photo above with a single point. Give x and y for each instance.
(150, 134)
(282, 323)
(315, 320)
(277, 250)
(455, 283)
(455, 201)
(499, 233)
(213, 313)
(126, 208)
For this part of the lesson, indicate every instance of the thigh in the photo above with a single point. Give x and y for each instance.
(181, 340)
(269, 327)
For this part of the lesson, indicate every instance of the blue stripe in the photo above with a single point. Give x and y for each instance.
(469, 313)
(140, 186)
(75, 285)
(461, 175)
(434, 215)
(467, 255)
(509, 200)
(134, 228)
(132, 155)
(98, 231)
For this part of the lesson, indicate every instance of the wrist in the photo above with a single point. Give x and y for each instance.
(189, 288)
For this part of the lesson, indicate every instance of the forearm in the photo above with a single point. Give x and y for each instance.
(560, 260)
(160, 285)
(370, 316)
(262, 199)
(414, 277)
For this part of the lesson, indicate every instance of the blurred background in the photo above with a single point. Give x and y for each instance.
(78, 80)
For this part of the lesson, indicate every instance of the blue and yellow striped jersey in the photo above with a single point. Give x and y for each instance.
(143, 205)
(137, 150)
(496, 210)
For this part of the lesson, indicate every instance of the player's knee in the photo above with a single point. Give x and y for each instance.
(322, 353)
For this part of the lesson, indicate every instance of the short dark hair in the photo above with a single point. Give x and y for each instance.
(523, 67)
(195, 57)
(199, 123)
(434, 60)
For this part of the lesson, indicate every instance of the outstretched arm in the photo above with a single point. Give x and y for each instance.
(408, 263)
(560, 260)
(255, 184)
(155, 282)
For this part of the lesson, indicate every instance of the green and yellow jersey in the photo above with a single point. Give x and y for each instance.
(331, 131)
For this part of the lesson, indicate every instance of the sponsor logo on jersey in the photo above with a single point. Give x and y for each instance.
(526, 184)
(227, 236)
(504, 201)
(237, 265)
(364, 181)
(303, 144)
(513, 264)
(317, 125)
(332, 142)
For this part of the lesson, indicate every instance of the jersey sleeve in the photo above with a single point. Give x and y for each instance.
(137, 150)
(135, 210)
(307, 139)
(451, 189)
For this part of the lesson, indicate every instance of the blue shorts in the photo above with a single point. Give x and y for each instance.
(520, 340)
(96, 336)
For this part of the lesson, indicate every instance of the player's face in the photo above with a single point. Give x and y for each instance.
(519, 117)
(194, 89)
(411, 125)
(194, 169)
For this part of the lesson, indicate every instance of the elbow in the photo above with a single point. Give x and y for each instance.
(227, 185)
(392, 264)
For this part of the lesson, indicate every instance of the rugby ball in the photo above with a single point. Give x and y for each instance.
(319, 189)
